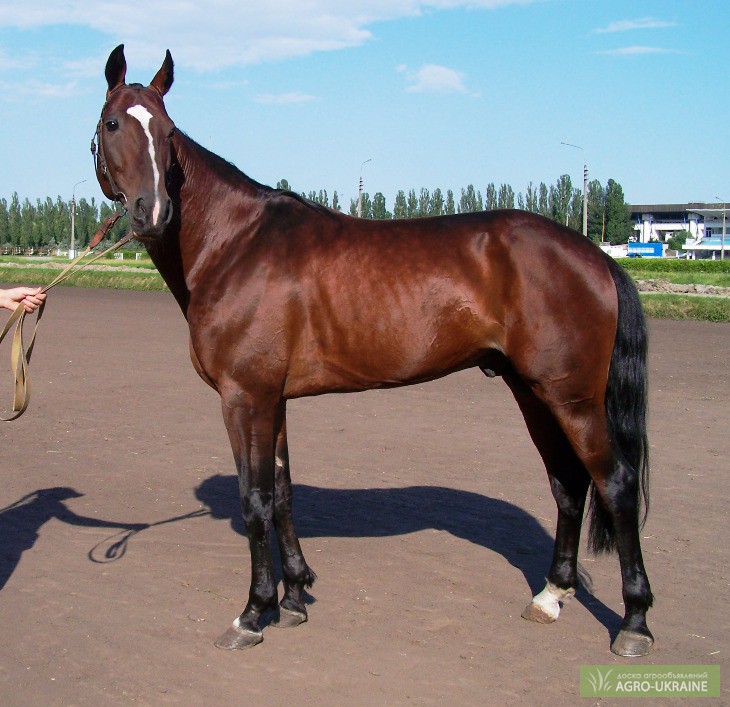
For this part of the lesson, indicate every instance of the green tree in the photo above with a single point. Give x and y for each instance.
(618, 214)
(449, 206)
(437, 202)
(400, 207)
(62, 222)
(424, 202)
(379, 208)
(531, 199)
(575, 211)
(87, 221)
(321, 197)
(336, 202)
(543, 202)
(471, 200)
(596, 211)
(27, 217)
(367, 206)
(412, 204)
(283, 184)
(490, 197)
(506, 197)
(678, 239)
(4, 223)
(559, 198)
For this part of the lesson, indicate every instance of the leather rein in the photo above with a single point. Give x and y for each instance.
(20, 353)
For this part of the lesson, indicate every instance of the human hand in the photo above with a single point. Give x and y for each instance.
(31, 297)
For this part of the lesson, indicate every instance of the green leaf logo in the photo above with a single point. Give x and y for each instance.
(599, 681)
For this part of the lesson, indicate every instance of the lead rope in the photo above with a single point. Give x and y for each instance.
(19, 353)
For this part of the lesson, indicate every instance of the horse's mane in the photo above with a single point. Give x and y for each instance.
(233, 175)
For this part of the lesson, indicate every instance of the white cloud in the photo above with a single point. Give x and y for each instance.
(431, 78)
(214, 34)
(17, 62)
(12, 92)
(282, 99)
(637, 50)
(641, 23)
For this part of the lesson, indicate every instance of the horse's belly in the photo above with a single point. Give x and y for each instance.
(389, 358)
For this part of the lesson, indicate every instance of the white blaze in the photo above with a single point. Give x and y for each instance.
(144, 117)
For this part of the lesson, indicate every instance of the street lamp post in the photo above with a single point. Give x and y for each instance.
(72, 248)
(359, 190)
(722, 239)
(585, 186)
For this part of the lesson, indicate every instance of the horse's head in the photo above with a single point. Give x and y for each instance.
(134, 145)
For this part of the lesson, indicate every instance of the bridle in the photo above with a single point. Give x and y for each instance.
(97, 152)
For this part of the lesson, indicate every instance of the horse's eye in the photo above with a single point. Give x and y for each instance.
(111, 125)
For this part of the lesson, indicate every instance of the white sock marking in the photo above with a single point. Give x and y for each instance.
(144, 116)
(549, 599)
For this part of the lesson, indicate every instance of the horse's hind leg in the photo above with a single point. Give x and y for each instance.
(297, 574)
(615, 509)
(569, 484)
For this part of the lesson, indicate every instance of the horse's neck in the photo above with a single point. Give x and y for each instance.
(211, 192)
(197, 237)
(166, 256)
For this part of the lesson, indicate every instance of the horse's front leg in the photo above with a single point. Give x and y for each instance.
(251, 423)
(297, 574)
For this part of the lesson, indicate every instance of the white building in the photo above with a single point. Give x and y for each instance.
(705, 223)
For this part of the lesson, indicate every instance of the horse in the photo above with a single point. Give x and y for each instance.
(285, 298)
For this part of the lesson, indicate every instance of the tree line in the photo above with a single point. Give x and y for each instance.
(46, 224)
(609, 216)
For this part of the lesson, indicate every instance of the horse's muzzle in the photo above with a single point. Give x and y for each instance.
(149, 217)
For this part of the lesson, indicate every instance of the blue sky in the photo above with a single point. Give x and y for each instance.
(441, 93)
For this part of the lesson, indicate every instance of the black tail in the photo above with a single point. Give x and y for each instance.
(626, 403)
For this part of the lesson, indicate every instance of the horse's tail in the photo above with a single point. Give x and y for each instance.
(626, 403)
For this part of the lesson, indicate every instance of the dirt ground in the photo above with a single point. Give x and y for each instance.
(425, 512)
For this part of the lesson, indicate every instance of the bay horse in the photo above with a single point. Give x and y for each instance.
(285, 298)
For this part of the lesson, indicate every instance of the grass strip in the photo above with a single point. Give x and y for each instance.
(707, 309)
(142, 279)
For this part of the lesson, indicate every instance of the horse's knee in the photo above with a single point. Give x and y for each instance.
(257, 508)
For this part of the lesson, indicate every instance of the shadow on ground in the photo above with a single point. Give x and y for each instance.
(491, 523)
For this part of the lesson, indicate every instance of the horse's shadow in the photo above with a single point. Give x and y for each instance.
(494, 524)
(21, 521)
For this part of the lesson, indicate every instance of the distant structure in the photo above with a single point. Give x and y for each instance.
(705, 223)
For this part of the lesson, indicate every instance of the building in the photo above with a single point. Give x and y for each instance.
(705, 222)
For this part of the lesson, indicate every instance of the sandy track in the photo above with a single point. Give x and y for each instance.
(425, 512)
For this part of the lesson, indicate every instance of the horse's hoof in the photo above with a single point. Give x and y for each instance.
(631, 644)
(289, 618)
(534, 612)
(237, 638)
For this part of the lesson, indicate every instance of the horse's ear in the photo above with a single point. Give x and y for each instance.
(116, 69)
(165, 76)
